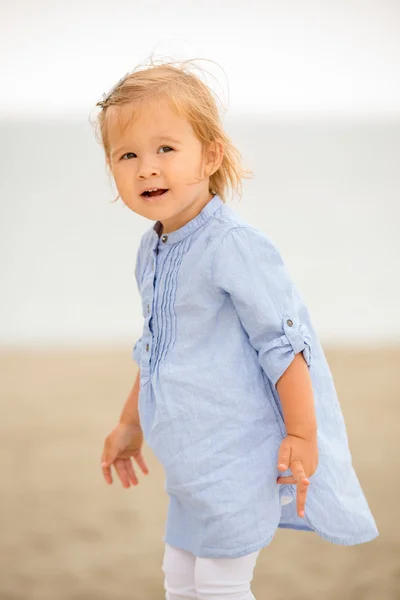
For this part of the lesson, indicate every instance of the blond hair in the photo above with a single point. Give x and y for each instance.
(191, 99)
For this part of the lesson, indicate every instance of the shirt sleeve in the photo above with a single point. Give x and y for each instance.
(137, 347)
(249, 268)
(137, 351)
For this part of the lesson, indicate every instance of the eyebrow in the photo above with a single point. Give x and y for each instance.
(166, 137)
(154, 138)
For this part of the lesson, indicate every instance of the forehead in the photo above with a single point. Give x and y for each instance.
(144, 122)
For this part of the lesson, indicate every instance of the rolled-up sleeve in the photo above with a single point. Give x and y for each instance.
(137, 351)
(249, 268)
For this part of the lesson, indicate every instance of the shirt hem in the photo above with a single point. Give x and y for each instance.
(353, 541)
(209, 552)
(349, 541)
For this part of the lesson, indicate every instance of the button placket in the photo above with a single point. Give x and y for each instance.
(159, 262)
(149, 304)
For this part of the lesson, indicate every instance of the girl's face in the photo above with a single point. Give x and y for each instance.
(158, 149)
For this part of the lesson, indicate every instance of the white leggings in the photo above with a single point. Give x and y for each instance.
(188, 576)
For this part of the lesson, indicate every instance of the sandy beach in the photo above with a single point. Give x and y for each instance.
(66, 535)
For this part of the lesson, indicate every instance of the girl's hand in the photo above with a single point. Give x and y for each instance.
(124, 442)
(301, 456)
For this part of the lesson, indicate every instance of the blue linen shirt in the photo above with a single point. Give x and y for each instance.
(222, 322)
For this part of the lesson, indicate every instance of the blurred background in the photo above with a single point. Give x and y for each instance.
(312, 92)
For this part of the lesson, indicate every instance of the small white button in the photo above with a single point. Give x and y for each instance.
(290, 322)
(286, 500)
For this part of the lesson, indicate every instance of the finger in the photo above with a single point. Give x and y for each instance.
(289, 479)
(302, 485)
(141, 462)
(106, 468)
(131, 473)
(302, 489)
(120, 467)
(284, 456)
(107, 473)
(285, 480)
(298, 471)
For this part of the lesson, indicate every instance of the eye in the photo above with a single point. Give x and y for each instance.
(123, 156)
(169, 148)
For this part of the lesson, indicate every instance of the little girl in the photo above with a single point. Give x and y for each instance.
(234, 393)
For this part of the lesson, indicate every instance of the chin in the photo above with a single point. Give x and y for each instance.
(154, 213)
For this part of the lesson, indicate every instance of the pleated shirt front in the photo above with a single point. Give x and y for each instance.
(222, 321)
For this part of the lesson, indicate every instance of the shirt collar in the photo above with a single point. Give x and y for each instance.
(181, 233)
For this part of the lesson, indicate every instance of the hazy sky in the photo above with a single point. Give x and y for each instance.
(342, 55)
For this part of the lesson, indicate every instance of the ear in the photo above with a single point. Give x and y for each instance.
(213, 157)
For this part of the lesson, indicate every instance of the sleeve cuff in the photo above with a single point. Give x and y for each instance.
(276, 356)
(137, 351)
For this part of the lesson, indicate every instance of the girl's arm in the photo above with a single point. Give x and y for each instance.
(130, 412)
(296, 395)
(248, 267)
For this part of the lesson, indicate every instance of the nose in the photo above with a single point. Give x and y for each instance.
(146, 171)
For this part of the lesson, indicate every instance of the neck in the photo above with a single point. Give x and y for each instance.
(185, 216)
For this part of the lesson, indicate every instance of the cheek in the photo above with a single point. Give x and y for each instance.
(185, 168)
(123, 176)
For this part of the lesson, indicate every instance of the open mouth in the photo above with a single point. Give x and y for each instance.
(159, 192)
